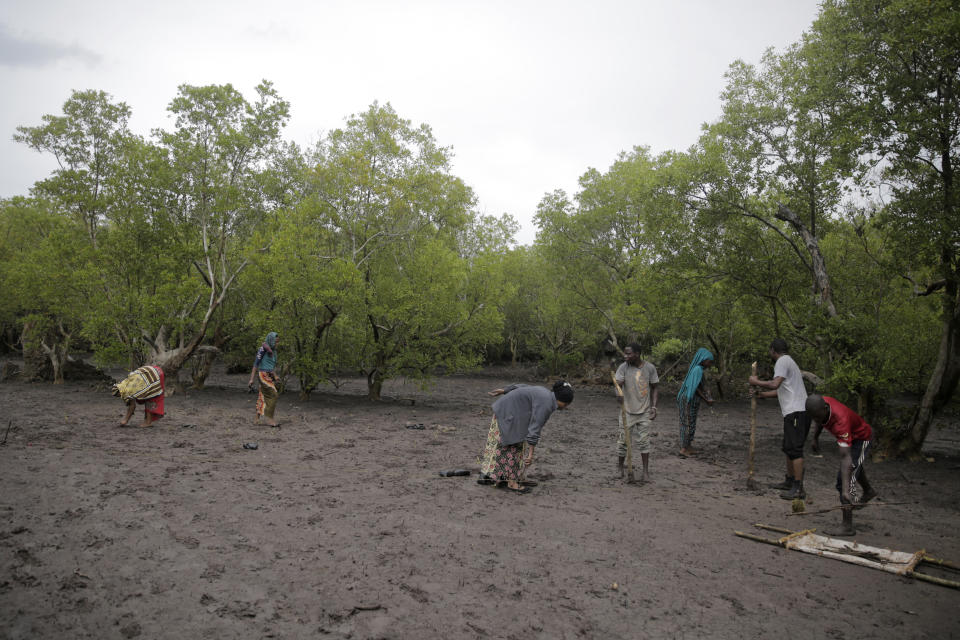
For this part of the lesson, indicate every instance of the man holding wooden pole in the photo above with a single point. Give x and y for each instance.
(787, 386)
(639, 381)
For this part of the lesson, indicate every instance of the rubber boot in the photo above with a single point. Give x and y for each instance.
(795, 491)
(846, 526)
(786, 485)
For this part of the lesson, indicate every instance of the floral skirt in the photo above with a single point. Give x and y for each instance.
(267, 398)
(501, 462)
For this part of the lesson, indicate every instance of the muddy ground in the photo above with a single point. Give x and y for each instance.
(339, 526)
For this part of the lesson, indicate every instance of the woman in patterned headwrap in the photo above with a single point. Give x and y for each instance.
(143, 386)
(263, 367)
(688, 399)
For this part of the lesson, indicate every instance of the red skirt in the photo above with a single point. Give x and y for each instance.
(154, 406)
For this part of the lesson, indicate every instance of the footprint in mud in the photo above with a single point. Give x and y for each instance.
(738, 607)
(416, 593)
(23, 577)
(74, 582)
(238, 609)
(130, 630)
(158, 587)
(213, 572)
(27, 558)
(188, 541)
(70, 514)
(93, 540)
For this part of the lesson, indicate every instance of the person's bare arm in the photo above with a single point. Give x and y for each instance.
(528, 460)
(703, 393)
(815, 445)
(654, 396)
(846, 470)
(131, 407)
(770, 385)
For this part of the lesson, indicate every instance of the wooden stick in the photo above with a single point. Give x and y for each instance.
(940, 563)
(769, 528)
(626, 429)
(748, 536)
(751, 483)
(846, 506)
(944, 583)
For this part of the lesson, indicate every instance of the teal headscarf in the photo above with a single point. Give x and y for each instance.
(694, 375)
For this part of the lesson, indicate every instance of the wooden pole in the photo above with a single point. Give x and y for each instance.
(777, 529)
(941, 581)
(940, 563)
(843, 506)
(751, 483)
(748, 536)
(626, 430)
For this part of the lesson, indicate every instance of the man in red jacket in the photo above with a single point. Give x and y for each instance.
(853, 439)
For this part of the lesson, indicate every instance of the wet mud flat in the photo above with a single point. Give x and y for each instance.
(339, 525)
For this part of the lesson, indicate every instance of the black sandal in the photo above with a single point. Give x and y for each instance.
(521, 490)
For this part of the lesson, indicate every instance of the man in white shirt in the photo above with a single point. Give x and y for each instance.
(638, 380)
(787, 386)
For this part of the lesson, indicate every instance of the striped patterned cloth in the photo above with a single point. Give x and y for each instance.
(142, 384)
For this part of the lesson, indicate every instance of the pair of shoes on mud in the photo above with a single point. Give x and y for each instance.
(522, 490)
(487, 480)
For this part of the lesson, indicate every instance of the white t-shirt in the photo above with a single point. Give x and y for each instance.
(636, 383)
(791, 393)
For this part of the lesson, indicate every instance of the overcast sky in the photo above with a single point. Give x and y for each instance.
(528, 94)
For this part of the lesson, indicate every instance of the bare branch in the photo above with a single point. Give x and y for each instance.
(202, 274)
(146, 338)
(932, 287)
(453, 325)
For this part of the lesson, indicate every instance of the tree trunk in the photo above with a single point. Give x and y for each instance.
(172, 360)
(200, 373)
(818, 267)
(942, 384)
(58, 354)
(307, 384)
(206, 359)
(721, 362)
(36, 364)
(58, 360)
(374, 384)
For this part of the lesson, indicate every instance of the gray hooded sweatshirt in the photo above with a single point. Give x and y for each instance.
(522, 411)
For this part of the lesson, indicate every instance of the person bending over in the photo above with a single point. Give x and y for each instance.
(853, 436)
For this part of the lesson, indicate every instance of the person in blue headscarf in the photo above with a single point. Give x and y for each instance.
(688, 399)
(263, 369)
